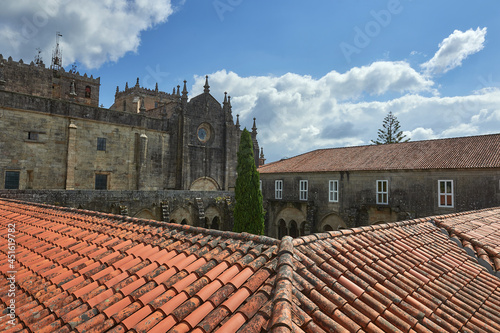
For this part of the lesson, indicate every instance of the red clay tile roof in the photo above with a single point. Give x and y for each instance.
(81, 271)
(456, 153)
(478, 233)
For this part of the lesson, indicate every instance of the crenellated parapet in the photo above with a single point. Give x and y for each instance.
(37, 80)
(133, 99)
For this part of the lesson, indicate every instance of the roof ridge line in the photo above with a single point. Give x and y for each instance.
(356, 230)
(283, 301)
(391, 156)
(459, 242)
(395, 143)
(468, 212)
(187, 228)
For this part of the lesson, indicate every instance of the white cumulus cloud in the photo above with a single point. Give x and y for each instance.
(298, 113)
(454, 49)
(94, 31)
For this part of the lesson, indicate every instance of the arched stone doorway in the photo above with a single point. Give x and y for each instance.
(204, 184)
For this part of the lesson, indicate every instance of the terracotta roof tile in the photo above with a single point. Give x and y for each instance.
(455, 153)
(479, 232)
(95, 272)
(197, 315)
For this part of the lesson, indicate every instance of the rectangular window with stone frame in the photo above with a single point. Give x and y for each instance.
(12, 180)
(101, 181)
(101, 144)
(33, 136)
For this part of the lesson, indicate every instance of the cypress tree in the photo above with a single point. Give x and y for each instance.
(248, 210)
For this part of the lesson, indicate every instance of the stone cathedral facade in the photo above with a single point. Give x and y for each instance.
(54, 135)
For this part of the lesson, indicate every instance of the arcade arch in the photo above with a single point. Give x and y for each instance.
(145, 214)
(181, 215)
(332, 222)
(287, 224)
(213, 218)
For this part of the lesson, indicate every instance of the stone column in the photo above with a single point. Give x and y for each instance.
(310, 219)
(71, 162)
(143, 151)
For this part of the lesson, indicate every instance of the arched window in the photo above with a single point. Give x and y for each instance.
(282, 230)
(327, 227)
(88, 91)
(302, 231)
(294, 231)
(216, 223)
(184, 221)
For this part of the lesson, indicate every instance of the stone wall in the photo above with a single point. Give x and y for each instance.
(214, 155)
(53, 144)
(23, 102)
(37, 80)
(194, 208)
(411, 194)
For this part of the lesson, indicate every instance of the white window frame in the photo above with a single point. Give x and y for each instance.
(333, 191)
(278, 189)
(446, 194)
(303, 189)
(383, 194)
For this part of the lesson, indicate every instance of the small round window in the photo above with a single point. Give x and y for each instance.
(204, 132)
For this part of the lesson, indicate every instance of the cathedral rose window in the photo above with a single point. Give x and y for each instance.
(204, 132)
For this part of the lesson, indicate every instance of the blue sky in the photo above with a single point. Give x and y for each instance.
(314, 75)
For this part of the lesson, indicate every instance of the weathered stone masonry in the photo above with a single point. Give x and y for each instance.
(211, 209)
(54, 136)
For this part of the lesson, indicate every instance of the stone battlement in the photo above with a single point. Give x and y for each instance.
(11, 100)
(132, 99)
(144, 91)
(38, 80)
(10, 62)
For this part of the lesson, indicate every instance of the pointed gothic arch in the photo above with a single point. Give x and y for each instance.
(332, 222)
(145, 214)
